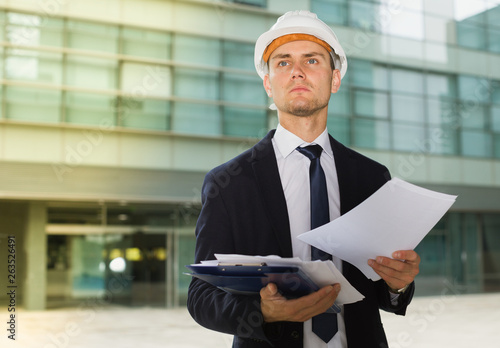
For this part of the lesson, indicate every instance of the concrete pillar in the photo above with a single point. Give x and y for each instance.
(34, 287)
(12, 223)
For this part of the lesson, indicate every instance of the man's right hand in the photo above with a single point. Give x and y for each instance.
(275, 307)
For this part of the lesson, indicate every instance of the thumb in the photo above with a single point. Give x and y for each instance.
(269, 290)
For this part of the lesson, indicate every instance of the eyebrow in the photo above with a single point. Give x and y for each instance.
(305, 55)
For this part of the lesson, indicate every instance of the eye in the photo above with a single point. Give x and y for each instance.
(282, 63)
(312, 61)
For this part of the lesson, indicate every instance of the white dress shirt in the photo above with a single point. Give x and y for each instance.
(293, 169)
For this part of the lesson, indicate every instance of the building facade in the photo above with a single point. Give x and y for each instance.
(112, 112)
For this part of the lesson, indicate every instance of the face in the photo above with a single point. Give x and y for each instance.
(300, 78)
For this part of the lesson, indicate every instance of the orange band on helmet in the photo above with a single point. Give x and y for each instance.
(292, 37)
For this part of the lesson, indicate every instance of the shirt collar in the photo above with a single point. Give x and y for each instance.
(287, 142)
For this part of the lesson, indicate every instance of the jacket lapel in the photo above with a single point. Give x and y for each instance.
(266, 174)
(346, 174)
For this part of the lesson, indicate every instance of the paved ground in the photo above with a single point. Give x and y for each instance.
(445, 321)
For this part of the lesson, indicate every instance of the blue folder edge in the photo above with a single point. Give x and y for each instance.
(292, 282)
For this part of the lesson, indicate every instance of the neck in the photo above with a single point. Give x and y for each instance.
(307, 128)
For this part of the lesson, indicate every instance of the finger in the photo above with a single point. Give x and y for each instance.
(407, 255)
(270, 291)
(317, 302)
(381, 262)
(395, 278)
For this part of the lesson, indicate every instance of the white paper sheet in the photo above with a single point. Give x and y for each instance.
(396, 217)
(322, 273)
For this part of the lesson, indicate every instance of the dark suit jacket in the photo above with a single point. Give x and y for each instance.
(244, 211)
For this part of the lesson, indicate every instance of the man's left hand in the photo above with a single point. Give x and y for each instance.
(399, 271)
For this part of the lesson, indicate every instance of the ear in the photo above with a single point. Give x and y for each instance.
(267, 86)
(335, 80)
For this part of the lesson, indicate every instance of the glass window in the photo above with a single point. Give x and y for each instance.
(23, 29)
(2, 26)
(238, 55)
(241, 88)
(442, 8)
(476, 143)
(34, 66)
(371, 104)
(372, 134)
(408, 137)
(407, 81)
(471, 35)
(407, 108)
(405, 23)
(442, 111)
(146, 43)
(197, 84)
(339, 128)
(475, 89)
(494, 40)
(474, 116)
(196, 50)
(52, 32)
(495, 118)
(92, 36)
(497, 145)
(495, 92)
(441, 140)
(470, 11)
(441, 85)
(141, 80)
(491, 251)
(364, 15)
(244, 122)
(331, 11)
(367, 74)
(340, 104)
(194, 118)
(145, 113)
(31, 30)
(436, 29)
(94, 73)
(90, 109)
(493, 15)
(29, 104)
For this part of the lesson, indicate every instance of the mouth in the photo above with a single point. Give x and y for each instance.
(299, 89)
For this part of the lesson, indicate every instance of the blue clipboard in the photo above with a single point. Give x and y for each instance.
(250, 279)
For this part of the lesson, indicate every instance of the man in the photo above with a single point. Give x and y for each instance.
(257, 203)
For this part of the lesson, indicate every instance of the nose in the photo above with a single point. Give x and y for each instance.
(297, 72)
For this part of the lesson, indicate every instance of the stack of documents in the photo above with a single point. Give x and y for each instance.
(244, 274)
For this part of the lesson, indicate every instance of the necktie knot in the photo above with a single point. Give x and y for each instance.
(311, 151)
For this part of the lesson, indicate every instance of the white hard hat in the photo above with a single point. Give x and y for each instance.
(299, 22)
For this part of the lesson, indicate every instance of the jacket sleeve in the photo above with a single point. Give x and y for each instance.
(210, 306)
(403, 300)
